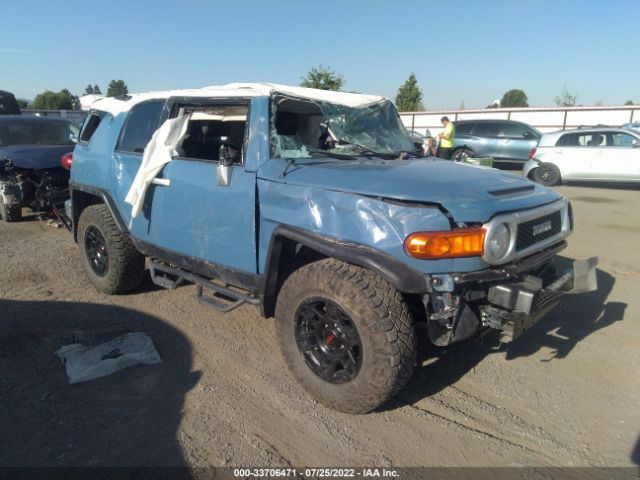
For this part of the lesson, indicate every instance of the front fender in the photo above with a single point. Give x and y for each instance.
(378, 223)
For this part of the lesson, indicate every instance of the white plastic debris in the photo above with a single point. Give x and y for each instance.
(85, 363)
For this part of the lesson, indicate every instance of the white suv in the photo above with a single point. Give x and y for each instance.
(607, 154)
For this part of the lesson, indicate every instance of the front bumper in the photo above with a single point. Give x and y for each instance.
(515, 307)
(508, 298)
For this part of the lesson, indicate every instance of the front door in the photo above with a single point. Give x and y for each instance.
(190, 213)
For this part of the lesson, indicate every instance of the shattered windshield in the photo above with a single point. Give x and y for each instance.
(304, 128)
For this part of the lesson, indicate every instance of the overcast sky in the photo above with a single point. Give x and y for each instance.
(467, 51)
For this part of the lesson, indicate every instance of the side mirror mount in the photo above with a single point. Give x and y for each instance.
(226, 158)
(224, 174)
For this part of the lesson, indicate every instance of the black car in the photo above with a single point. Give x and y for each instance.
(31, 172)
(8, 104)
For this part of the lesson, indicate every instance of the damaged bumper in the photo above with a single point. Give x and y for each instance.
(514, 308)
(512, 305)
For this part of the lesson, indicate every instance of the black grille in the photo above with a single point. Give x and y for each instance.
(532, 232)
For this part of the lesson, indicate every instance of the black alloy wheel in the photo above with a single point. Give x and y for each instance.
(96, 251)
(328, 340)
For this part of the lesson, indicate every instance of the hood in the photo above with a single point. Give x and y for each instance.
(470, 193)
(36, 156)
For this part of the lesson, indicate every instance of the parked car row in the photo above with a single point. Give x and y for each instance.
(591, 154)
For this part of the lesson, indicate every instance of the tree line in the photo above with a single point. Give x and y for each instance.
(65, 100)
(408, 98)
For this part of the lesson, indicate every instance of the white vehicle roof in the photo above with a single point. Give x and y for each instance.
(243, 90)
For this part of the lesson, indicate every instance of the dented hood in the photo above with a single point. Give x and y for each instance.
(469, 193)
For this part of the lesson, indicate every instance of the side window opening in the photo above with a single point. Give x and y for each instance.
(620, 139)
(486, 129)
(298, 126)
(142, 122)
(211, 128)
(513, 130)
(592, 139)
(90, 126)
(464, 128)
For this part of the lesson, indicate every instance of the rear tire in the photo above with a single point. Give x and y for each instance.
(355, 316)
(10, 213)
(460, 154)
(108, 256)
(546, 174)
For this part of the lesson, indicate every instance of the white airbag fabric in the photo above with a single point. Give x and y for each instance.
(85, 363)
(157, 154)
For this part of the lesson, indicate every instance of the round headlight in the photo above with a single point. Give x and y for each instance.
(498, 241)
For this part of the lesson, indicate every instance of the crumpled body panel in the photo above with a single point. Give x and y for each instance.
(379, 224)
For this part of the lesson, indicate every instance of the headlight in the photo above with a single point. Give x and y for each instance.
(497, 242)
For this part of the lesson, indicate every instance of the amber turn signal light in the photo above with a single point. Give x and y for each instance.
(461, 242)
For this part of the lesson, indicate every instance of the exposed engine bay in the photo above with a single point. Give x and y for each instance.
(42, 190)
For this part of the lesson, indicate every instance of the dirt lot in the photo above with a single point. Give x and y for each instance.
(566, 394)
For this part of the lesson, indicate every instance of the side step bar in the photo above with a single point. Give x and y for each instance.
(223, 298)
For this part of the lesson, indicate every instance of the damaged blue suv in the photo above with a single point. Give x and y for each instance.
(313, 206)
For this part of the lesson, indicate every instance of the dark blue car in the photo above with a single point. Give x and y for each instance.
(31, 174)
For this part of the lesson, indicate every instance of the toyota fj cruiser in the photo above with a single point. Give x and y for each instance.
(312, 206)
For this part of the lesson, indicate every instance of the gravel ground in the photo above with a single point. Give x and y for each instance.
(566, 394)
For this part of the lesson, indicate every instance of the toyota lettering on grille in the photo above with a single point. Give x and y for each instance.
(541, 228)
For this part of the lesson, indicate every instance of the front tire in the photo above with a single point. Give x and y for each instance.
(10, 213)
(546, 174)
(108, 256)
(461, 154)
(346, 335)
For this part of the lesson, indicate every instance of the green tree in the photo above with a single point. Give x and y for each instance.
(96, 90)
(323, 78)
(629, 102)
(62, 100)
(22, 103)
(117, 88)
(513, 99)
(409, 97)
(88, 90)
(566, 98)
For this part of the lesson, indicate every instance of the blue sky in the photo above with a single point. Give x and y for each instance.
(467, 51)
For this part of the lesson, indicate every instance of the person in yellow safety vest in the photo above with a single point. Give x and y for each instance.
(446, 139)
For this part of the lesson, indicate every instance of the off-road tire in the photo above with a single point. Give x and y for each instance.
(382, 318)
(125, 263)
(10, 213)
(461, 151)
(546, 174)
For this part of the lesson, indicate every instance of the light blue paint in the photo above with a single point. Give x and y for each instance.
(376, 203)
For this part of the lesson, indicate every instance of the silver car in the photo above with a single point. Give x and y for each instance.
(505, 141)
(591, 154)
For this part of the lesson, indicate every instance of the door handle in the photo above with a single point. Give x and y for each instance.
(161, 182)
